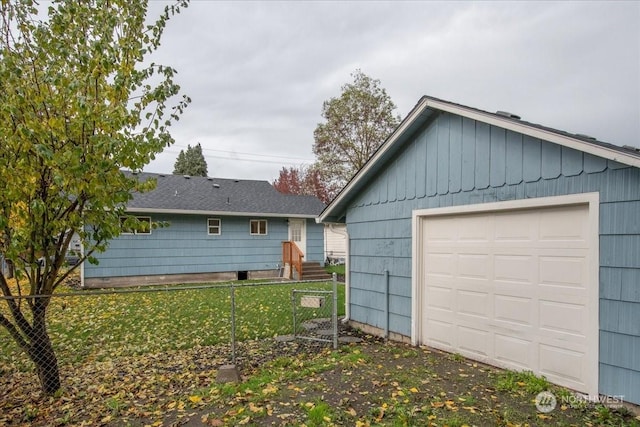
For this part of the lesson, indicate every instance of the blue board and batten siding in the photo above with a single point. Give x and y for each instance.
(453, 161)
(185, 247)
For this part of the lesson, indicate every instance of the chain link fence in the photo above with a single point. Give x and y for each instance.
(123, 333)
(315, 315)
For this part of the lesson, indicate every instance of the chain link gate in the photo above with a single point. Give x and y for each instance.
(315, 314)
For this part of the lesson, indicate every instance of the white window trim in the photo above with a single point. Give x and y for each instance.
(209, 226)
(266, 227)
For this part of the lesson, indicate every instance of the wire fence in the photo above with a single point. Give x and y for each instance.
(315, 315)
(151, 327)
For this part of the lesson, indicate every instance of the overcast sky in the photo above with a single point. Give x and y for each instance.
(258, 72)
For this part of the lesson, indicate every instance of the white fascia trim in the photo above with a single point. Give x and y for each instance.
(535, 132)
(220, 213)
(593, 290)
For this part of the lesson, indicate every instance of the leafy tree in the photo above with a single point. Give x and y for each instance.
(79, 101)
(356, 124)
(191, 162)
(302, 180)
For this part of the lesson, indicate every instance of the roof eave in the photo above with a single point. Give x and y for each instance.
(217, 213)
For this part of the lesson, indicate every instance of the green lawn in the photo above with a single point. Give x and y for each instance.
(338, 269)
(86, 327)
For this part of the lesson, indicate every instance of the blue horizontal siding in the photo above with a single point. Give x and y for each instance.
(620, 250)
(617, 381)
(620, 350)
(630, 285)
(456, 162)
(620, 218)
(185, 247)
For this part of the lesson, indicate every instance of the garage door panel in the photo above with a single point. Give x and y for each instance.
(441, 333)
(521, 291)
(514, 268)
(440, 297)
(436, 232)
(513, 309)
(513, 352)
(473, 228)
(564, 225)
(471, 303)
(472, 284)
(476, 341)
(563, 271)
(442, 264)
(563, 317)
(472, 265)
(515, 228)
(562, 363)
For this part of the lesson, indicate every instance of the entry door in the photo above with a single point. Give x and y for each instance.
(298, 233)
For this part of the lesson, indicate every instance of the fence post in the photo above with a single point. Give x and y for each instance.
(334, 277)
(293, 305)
(233, 323)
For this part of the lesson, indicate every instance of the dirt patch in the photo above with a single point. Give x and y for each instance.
(380, 383)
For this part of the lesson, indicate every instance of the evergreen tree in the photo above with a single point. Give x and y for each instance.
(191, 162)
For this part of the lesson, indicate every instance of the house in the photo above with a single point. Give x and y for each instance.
(502, 240)
(217, 229)
(335, 243)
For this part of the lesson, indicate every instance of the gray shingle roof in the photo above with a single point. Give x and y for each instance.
(182, 194)
(625, 149)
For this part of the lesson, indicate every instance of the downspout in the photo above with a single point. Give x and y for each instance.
(347, 271)
(386, 304)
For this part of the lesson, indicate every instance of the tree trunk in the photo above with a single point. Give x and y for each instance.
(41, 351)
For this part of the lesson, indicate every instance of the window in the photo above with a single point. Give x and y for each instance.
(258, 226)
(143, 225)
(214, 225)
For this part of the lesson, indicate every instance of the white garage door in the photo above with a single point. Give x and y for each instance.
(514, 289)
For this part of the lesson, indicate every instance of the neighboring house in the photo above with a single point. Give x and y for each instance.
(217, 229)
(335, 243)
(505, 241)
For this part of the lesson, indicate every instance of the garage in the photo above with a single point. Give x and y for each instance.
(500, 239)
(513, 284)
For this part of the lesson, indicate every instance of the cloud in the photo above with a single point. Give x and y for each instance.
(258, 72)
